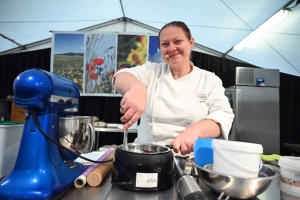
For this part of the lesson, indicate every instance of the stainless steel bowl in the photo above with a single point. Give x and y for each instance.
(237, 187)
(145, 148)
(76, 133)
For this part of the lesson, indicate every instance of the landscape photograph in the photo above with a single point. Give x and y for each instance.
(68, 57)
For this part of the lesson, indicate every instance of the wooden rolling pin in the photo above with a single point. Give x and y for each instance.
(97, 175)
(80, 181)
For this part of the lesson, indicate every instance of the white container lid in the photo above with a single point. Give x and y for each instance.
(289, 189)
(238, 146)
(289, 161)
(11, 126)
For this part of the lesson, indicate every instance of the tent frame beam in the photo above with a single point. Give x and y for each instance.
(22, 47)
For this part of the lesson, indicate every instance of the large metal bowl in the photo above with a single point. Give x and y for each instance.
(237, 187)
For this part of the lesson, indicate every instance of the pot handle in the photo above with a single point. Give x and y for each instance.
(92, 136)
(88, 145)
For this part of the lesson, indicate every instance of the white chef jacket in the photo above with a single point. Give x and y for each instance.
(173, 105)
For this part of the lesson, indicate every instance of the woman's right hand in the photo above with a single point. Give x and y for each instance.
(133, 104)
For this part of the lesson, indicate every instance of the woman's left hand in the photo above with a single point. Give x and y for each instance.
(185, 141)
(206, 128)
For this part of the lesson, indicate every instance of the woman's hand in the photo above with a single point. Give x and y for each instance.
(185, 141)
(134, 99)
(133, 105)
(206, 128)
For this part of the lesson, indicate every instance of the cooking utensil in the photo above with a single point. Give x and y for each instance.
(237, 187)
(143, 167)
(186, 185)
(125, 139)
(179, 165)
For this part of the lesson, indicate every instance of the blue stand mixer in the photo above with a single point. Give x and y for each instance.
(40, 171)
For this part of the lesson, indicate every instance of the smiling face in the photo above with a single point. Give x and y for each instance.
(175, 46)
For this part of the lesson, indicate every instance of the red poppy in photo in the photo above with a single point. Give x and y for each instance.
(111, 73)
(87, 66)
(93, 76)
(92, 69)
(98, 61)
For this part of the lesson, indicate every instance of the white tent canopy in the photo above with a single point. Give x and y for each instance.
(216, 25)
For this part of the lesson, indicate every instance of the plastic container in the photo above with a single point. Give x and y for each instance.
(288, 192)
(10, 137)
(203, 151)
(240, 159)
(290, 170)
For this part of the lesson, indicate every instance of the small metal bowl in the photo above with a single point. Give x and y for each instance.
(146, 148)
(237, 187)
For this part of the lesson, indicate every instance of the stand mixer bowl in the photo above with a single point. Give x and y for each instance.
(76, 133)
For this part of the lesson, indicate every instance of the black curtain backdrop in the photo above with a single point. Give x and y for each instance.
(107, 108)
(13, 64)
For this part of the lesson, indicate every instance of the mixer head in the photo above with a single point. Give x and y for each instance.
(41, 91)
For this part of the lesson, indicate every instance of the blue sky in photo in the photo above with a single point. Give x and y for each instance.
(66, 43)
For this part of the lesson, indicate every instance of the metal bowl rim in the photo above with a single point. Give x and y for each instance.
(76, 117)
(276, 173)
(148, 153)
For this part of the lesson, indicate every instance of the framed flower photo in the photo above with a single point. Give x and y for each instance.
(100, 63)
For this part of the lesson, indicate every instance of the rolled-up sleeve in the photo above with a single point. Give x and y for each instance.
(219, 108)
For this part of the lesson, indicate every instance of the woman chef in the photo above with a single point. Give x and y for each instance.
(176, 101)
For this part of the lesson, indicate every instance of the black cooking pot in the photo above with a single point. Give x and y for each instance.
(143, 167)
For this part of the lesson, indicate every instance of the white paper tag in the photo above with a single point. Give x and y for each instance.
(146, 180)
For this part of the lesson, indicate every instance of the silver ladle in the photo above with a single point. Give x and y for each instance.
(125, 144)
